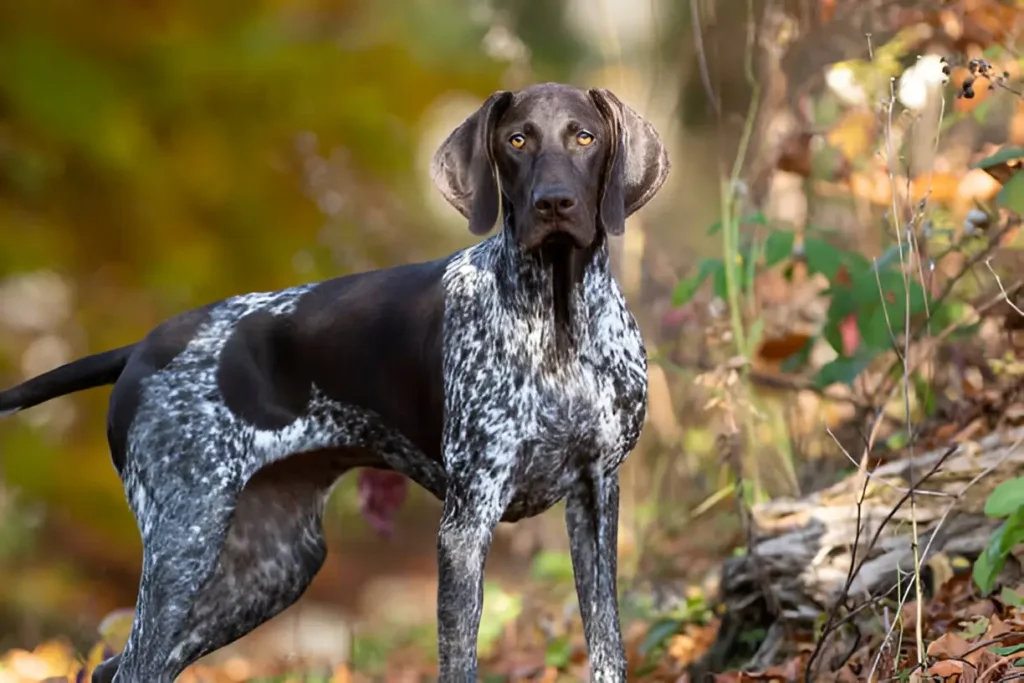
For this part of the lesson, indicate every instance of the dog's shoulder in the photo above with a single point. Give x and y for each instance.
(472, 272)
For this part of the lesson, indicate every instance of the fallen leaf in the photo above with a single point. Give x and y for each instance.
(781, 348)
(991, 666)
(946, 668)
(979, 608)
(996, 628)
(948, 646)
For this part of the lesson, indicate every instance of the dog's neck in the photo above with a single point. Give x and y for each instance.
(553, 278)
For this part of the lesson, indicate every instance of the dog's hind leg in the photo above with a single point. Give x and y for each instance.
(213, 573)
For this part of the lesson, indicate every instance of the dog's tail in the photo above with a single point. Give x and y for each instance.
(84, 373)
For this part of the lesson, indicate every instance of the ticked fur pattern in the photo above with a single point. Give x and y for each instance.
(522, 430)
(525, 429)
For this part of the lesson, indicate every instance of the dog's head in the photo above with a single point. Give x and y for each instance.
(558, 159)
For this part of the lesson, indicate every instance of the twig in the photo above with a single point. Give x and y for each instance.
(732, 452)
(830, 620)
(702, 59)
(988, 263)
(945, 515)
(919, 628)
(938, 301)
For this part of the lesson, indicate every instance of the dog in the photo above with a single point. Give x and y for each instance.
(503, 378)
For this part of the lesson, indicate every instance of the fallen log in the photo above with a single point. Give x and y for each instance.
(798, 564)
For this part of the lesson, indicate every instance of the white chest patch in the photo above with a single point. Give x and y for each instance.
(529, 419)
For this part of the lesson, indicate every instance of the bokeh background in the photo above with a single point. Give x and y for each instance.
(159, 155)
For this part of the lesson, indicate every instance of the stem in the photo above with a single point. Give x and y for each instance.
(730, 240)
(730, 220)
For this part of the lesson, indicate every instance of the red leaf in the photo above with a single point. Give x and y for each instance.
(850, 334)
(381, 494)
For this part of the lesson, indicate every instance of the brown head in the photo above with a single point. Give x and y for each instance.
(560, 160)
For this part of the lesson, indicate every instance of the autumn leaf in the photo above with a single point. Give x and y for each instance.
(948, 646)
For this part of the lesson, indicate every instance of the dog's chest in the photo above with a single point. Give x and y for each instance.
(566, 421)
(536, 418)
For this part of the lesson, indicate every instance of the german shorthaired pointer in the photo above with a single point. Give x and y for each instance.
(502, 378)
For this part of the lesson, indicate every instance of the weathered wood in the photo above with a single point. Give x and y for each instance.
(803, 547)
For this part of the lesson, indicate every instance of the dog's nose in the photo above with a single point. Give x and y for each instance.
(555, 201)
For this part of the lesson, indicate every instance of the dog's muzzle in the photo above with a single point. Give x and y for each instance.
(556, 214)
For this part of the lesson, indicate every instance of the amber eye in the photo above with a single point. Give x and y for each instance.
(517, 140)
(584, 138)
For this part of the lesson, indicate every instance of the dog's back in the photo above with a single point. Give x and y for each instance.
(265, 350)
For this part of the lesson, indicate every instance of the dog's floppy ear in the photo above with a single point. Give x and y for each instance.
(463, 167)
(636, 166)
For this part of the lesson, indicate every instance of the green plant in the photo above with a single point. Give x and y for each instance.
(867, 298)
(1005, 502)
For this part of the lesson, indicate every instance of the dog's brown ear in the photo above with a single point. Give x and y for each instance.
(463, 167)
(636, 166)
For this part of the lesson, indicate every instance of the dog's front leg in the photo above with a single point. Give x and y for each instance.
(592, 518)
(471, 511)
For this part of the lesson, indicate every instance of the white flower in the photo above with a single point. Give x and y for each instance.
(916, 81)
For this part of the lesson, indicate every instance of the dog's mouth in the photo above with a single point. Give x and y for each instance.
(559, 239)
(557, 234)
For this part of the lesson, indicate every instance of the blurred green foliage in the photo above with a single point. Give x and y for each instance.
(149, 154)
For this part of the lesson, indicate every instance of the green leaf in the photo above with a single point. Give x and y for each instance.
(874, 328)
(657, 634)
(552, 566)
(986, 567)
(947, 313)
(558, 652)
(1005, 499)
(898, 440)
(877, 323)
(719, 284)
(1008, 649)
(1008, 153)
(975, 628)
(822, 257)
(844, 370)
(689, 286)
(833, 336)
(1012, 194)
(951, 312)
(991, 561)
(925, 394)
(844, 302)
(1010, 597)
(890, 286)
(778, 246)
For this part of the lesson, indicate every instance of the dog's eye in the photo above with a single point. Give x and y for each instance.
(517, 140)
(584, 138)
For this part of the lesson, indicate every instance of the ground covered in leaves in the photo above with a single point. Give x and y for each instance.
(971, 639)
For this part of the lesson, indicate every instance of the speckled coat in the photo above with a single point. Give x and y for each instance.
(503, 379)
